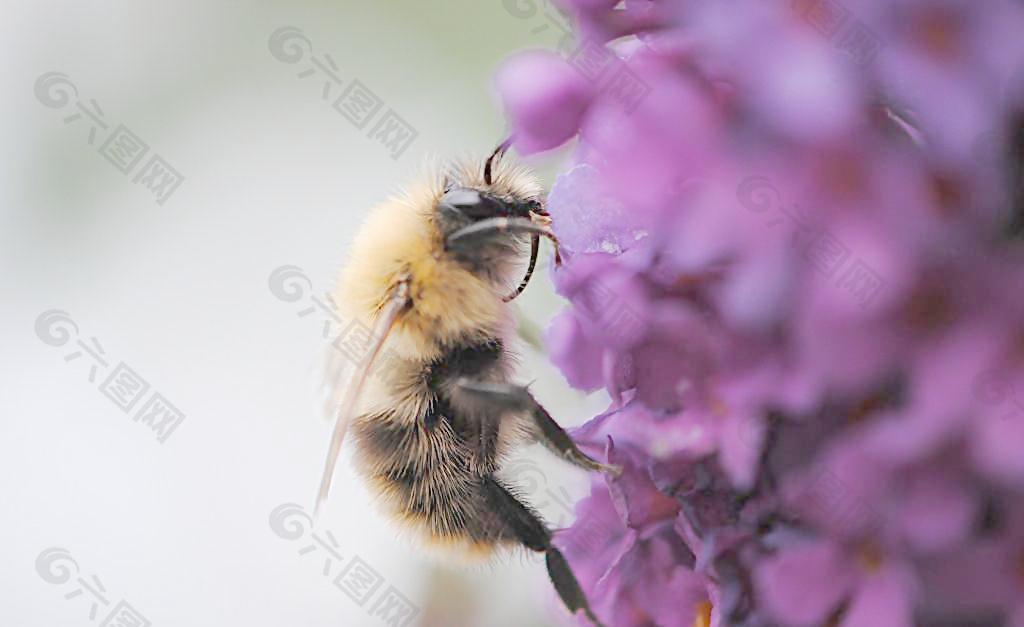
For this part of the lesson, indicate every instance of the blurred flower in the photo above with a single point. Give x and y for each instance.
(544, 99)
(804, 584)
(802, 289)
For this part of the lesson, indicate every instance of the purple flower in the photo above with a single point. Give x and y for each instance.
(984, 575)
(804, 584)
(545, 100)
(802, 287)
(589, 220)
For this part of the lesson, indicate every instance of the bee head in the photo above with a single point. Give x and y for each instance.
(485, 214)
(464, 205)
(472, 194)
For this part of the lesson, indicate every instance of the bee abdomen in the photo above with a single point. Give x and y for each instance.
(424, 479)
(433, 472)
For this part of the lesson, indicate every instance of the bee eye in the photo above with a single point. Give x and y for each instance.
(473, 204)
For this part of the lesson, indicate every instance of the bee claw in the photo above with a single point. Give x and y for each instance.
(583, 460)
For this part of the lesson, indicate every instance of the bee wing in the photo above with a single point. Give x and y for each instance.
(333, 371)
(381, 328)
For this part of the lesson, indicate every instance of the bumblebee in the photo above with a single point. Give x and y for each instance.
(430, 272)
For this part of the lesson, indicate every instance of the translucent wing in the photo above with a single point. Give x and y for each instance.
(332, 373)
(385, 321)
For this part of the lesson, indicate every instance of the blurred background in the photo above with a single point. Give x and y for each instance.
(179, 184)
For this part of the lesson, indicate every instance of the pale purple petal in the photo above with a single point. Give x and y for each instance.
(884, 598)
(545, 100)
(801, 585)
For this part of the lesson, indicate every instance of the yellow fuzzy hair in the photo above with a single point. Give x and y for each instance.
(399, 237)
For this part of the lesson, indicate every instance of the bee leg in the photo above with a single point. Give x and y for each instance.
(566, 585)
(511, 516)
(518, 398)
(482, 437)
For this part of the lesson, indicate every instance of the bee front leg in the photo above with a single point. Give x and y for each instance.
(518, 398)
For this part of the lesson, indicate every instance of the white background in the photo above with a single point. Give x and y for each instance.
(273, 176)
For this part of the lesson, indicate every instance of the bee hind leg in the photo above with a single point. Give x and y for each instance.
(515, 519)
(553, 436)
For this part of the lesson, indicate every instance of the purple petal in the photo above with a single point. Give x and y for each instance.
(544, 98)
(739, 447)
(636, 498)
(936, 512)
(802, 584)
(884, 598)
(997, 444)
(587, 218)
(579, 359)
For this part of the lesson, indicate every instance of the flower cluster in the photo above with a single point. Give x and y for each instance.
(793, 259)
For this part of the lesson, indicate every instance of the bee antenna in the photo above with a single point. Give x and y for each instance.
(534, 247)
(498, 152)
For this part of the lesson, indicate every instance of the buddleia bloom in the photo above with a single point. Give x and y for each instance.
(792, 241)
